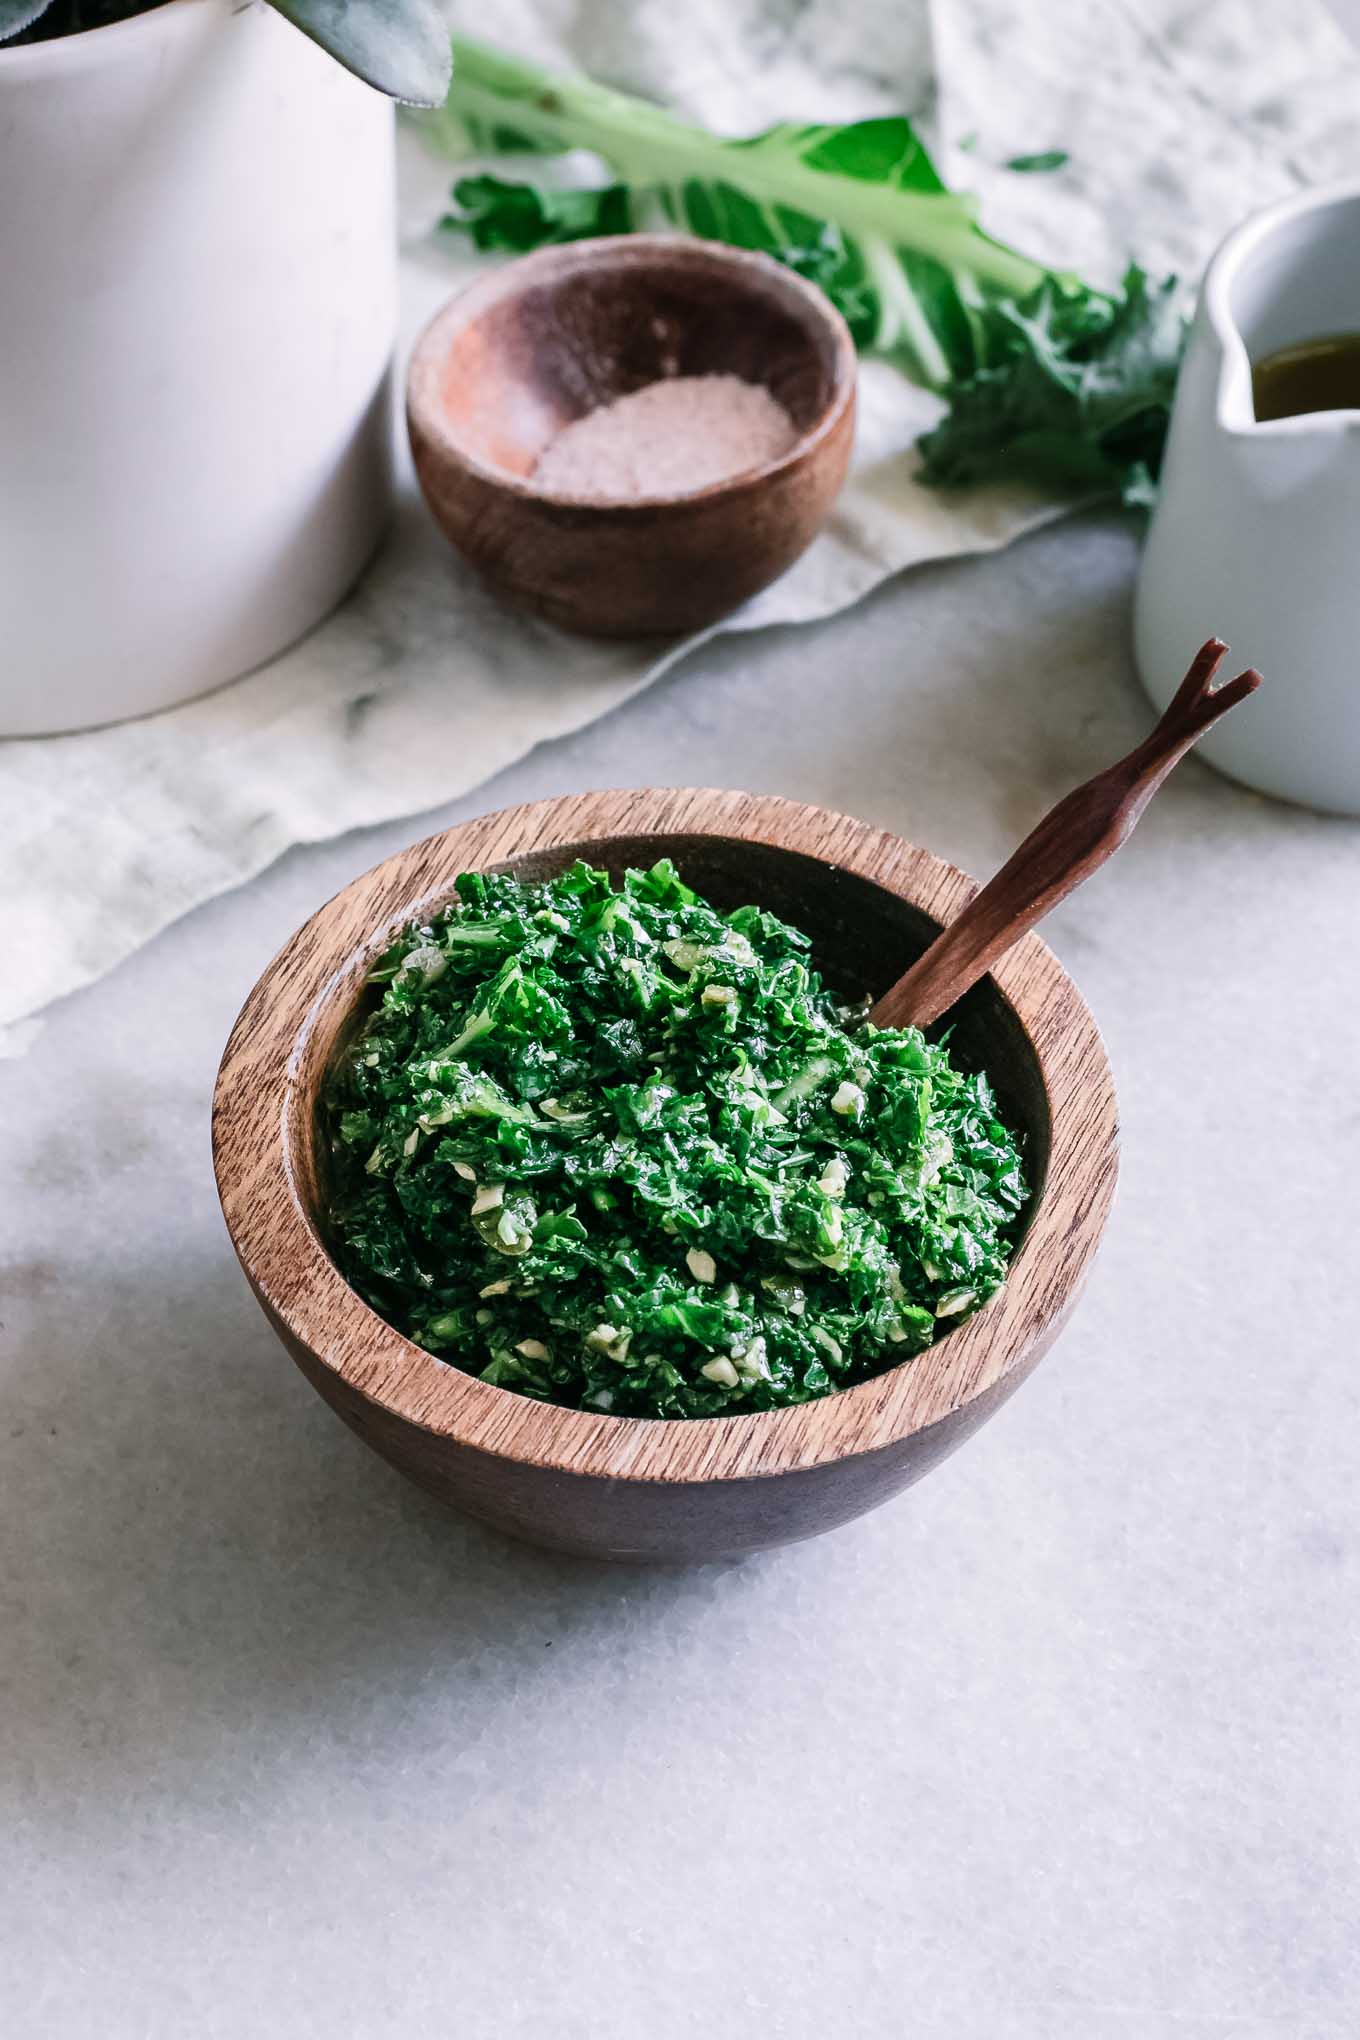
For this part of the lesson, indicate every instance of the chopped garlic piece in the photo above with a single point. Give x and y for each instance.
(533, 1349)
(753, 1364)
(495, 1289)
(685, 955)
(834, 1178)
(718, 995)
(722, 1371)
(552, 1108)
(426, 962)
(490, 1197)
(611, 1340)
(701, 1266)
(466, 1171)
(848, 1100)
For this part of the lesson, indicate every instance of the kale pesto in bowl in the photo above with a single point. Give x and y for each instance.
(607, 1146)
(337, 1253)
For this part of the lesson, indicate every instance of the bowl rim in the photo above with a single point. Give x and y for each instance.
(425, 413)
(259, 1092)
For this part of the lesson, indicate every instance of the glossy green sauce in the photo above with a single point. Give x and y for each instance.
(606, 1146)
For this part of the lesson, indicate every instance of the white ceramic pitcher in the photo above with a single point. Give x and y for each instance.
(1256, 537)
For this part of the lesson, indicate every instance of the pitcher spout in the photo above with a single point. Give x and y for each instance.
(1286, 277)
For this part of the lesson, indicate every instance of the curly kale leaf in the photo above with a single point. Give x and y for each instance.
(1074, 393)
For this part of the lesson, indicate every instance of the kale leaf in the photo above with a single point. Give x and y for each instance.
(1074, 393)
(1048, 379)
(859, 208)
(606, 1146)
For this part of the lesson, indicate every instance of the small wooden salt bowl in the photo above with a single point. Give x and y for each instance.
(632, 1488)
(536, 344)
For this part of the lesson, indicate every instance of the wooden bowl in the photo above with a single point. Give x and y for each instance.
(532, 346)
(634, 1488)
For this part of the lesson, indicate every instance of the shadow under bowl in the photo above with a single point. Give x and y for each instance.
(535, 345)
(634, 1488)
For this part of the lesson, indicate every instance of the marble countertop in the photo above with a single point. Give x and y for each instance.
(1058, 1746)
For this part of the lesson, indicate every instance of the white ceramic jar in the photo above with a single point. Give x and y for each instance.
(197, 312)
(1256, 536)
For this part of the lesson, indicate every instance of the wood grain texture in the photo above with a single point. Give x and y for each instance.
(1074, 839)
(633, 1488)
(542, 341)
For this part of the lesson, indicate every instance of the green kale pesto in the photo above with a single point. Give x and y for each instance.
(604, 1145)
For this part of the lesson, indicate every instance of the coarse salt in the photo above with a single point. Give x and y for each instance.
(667, 439)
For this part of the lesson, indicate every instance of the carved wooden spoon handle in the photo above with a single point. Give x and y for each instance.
(1073, 840)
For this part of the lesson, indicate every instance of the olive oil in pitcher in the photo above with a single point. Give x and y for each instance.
(1313, 375)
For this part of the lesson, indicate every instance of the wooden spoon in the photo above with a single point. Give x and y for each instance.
(1073, 840)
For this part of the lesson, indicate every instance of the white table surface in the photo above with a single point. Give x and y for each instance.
(1060, 1745)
